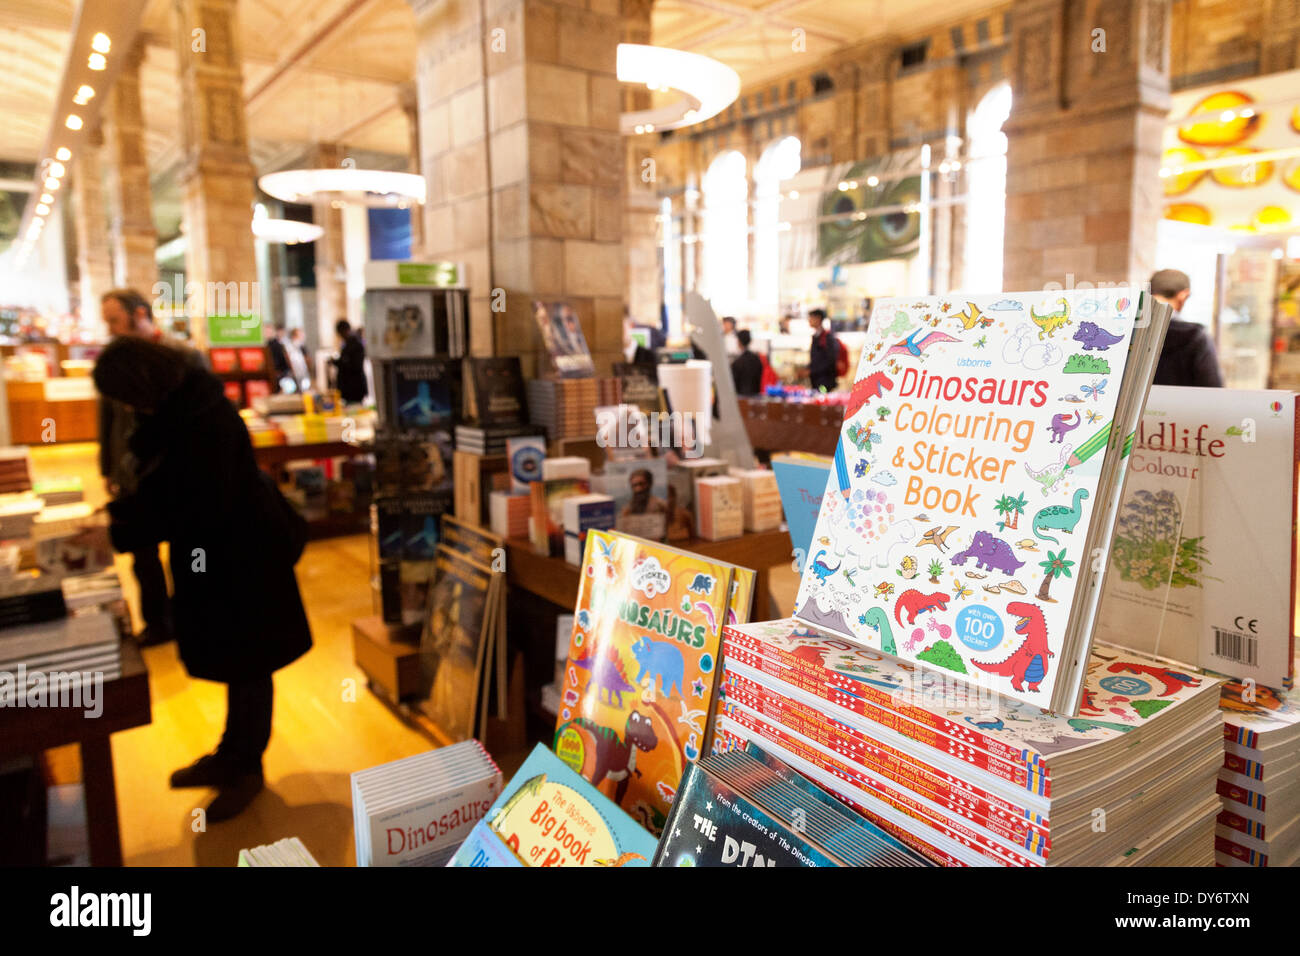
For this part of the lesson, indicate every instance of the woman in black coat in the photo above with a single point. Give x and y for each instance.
(350, 364)
(234, 541)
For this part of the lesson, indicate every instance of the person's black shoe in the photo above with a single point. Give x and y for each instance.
(234, 797)
(153, 636)
(208, 771)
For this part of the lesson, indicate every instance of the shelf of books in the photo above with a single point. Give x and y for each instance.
(1038, 624)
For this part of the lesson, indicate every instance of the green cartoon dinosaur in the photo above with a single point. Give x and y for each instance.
(1059, 517)
(878, 620)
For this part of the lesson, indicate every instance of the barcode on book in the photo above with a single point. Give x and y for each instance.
(1235, 646)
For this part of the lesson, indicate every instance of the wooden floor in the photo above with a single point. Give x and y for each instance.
(326, 723)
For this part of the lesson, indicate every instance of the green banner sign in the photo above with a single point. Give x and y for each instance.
(234, 330)
(442, 274)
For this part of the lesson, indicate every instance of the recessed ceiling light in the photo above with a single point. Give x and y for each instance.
(51, 183)
(97, 61)
(84, 95)
(73, 121)
(57, 170)
(100, 43)
(63, 153)
(42, 209)
(46, 197)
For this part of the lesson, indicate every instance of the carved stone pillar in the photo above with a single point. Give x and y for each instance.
(134, 237)
(90, 223)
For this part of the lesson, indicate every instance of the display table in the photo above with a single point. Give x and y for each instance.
(555, 580)
(126, 704)
(272, 458)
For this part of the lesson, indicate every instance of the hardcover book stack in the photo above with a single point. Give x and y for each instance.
(746, 808)
(564, 407)
(17, 513)
(28, 597)
(495, 409)
(15, 470)
(969, 777)
(59, 491)
(1260, 779)
(417, 811)
(40, 660)
(286, 852)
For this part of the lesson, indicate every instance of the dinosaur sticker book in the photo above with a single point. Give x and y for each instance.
(547, 815)
(642, 668)
(1202, 562)
(984, 472)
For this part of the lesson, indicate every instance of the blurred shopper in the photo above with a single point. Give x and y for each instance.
(127, 313)
(1188, 356)
(747, 368)
(234, 541)
(350, 364)
(279, 356)
(730, 341)
(298, 366)
(825, 360)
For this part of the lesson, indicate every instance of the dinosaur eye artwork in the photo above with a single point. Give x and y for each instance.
(872, 222)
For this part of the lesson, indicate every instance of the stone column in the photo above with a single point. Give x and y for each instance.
(1083, 141)
(135, 240)
(411, 109)
(90, 222)
(216, 173)
(519, 144)
(331, 270)
(640, 228)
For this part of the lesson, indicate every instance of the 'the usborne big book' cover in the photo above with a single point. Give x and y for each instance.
(1201, 567)
(641, 669)
(977, 471)
(547, 815)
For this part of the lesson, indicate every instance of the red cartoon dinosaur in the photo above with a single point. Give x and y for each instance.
(865, 389)
(1174, 681)
(1089, 706)
(1027, 663)
(914, 602)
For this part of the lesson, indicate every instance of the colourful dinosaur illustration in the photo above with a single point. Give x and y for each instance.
(865, 389)
(1027, 663)
(876, 619)
(1174, 681)
(1085, 724)
(900, 325)
(707, 611)
(991, 723)
(914, 602)
(1061, 426)
(1089, 705)
(1049, 324)
(937, 537)
(860, 435)
(821, 570)
(529, 788)
(969, 317)
(607, 674)
(1049, 475)
(605, 755)
(703, 584)
(662, 660)
(1094, 337)
(1059, 517)
(990, 554)
(915, 347)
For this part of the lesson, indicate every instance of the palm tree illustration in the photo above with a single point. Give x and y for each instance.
(1055, 566)
(1010, 509)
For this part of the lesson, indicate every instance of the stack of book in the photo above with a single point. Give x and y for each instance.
(56, 531)
(17, 512)
(311, 429)
(41, 661)
(1260, 779)
(30, 597)
(417, 811)
(746, 808)
(564, 408)
(15, 470)
(969, 777)
(720, 509)
(59, 491)
(762, 499)
(509, 514)
(286, 852)
(100, 591)
(490, 439)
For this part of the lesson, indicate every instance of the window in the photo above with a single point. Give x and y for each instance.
(725, 234)
(986, 190)
(779, 162)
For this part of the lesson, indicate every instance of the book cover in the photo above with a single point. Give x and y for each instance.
(424, 395)
(525, 456)
(721, 507)
(561, 333)
(801, 481)
(546, 527)
(641, 669)
(970, 455)
(494, 391)
(583, 513)
(451, 648)
(1200, 569)
(400, 324)
(640, 492)
(548, 815)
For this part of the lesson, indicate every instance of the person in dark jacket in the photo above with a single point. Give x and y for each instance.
(127, 312)
(350, 364)
(823, 352)
(1188, 356)
(746, 368)
(234, 541)
(279, 356)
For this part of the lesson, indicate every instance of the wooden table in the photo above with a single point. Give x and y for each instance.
(126, 704)
(272, 459)
(555, 580)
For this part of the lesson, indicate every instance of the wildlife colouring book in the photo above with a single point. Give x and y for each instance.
(971, 464)
(642, 668)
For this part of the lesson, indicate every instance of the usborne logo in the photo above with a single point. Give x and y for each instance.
(74, 909)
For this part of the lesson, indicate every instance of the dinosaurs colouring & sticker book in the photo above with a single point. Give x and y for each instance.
(996, 470)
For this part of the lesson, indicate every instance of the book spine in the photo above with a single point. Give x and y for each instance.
(824, 675)
(1012, 822)
(899, 801)
(1031, 779)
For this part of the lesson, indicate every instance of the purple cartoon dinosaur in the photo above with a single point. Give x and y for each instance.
(1061, 425)
(1093, 336)
(990, 554)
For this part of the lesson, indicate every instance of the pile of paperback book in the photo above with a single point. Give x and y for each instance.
(286, 852)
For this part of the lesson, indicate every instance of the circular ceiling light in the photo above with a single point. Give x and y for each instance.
(707, 86)
(289, 231)
(364, 187)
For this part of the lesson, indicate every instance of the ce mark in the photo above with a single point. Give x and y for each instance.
(1250, 625)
